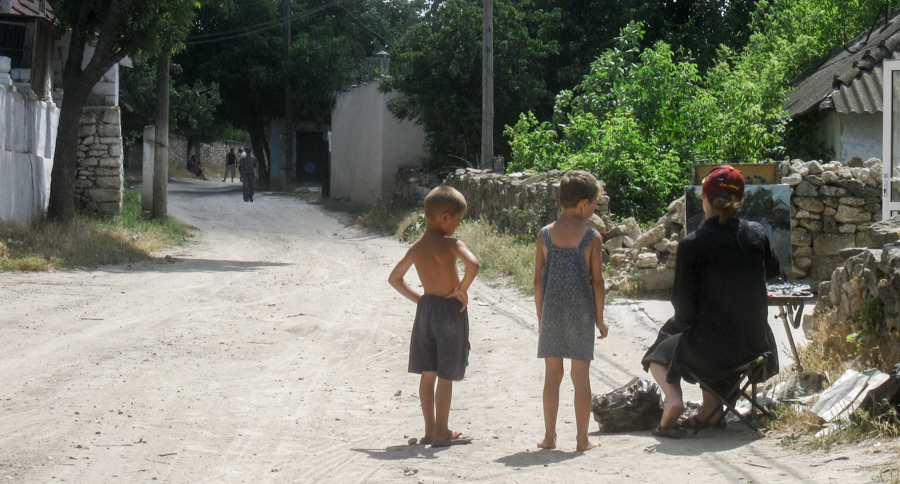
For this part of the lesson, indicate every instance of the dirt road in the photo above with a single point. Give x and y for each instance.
(271, 348)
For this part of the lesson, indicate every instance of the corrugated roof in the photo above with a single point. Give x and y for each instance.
(849, 79)
(31, 8)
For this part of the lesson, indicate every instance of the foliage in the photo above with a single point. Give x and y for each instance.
(116, 29)
(191, 107)
(633, 122)
(386, 214)
(870, 323)
(238, 45)
(643, 115)
(436, 69)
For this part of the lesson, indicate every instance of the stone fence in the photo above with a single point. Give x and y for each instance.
(212, 155)
(99, 180)
(862, 297)
(832, 208)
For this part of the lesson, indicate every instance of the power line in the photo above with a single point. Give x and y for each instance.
(261, 27)
(364, 25)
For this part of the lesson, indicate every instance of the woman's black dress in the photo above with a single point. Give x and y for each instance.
(719, 298)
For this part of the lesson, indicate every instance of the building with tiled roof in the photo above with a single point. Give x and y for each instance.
(842, 92)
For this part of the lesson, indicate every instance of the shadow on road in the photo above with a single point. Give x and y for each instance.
(537, 458)
(171, 264)
(401, 452)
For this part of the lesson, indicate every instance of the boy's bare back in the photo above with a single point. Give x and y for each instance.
(434, 256)
(435, 259)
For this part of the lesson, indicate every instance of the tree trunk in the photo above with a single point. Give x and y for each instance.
(161, 152)
(257, 141)
(62, 177)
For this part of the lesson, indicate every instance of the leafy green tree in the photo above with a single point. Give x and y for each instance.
(191, 111)
(238, 46)
(116, 28)
(632, 121)
(436, 69)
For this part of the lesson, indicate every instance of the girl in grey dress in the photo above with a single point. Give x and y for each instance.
(569, 312)
(568, 295)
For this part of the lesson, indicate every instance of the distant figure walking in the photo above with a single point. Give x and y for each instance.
(249, 171)
(230, 164)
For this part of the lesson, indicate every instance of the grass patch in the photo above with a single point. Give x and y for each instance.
(503, 257)
(89, 241)
(387, 214)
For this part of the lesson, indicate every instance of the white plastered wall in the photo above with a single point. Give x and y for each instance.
(368, 145)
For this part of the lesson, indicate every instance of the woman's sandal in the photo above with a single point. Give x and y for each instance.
(694, 423)
(673, 433)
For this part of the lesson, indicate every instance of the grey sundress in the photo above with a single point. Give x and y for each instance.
(568, 315)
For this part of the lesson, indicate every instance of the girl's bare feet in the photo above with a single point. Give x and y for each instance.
(548, 443)
(586, 445)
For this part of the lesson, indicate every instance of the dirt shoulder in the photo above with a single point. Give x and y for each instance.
(271, 348)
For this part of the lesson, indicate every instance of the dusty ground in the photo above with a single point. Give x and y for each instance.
(271, 348)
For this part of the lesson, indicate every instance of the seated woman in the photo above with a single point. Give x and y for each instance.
(195, 167)
(719, 297)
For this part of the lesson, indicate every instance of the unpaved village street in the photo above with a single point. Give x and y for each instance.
(270, 348)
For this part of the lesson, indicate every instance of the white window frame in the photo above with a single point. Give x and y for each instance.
(887, 141)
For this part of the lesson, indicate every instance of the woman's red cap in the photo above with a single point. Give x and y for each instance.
(724, 179)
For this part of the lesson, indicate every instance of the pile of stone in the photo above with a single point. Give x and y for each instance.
(833, 206)
(650, 257)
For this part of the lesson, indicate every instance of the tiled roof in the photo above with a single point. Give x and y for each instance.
(849, 79)
(30, 8)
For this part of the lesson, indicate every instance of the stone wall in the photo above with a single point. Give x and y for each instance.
(99, 181)
(865, 275)
(520, 203)
(833, 206)
(27, 144)
(212, 155)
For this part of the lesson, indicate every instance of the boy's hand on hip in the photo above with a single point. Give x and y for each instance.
(603, 328)
(461, 296)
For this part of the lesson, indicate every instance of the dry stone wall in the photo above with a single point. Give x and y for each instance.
(99, 181)
(212, 155)
(865, 276)
(520, 202)
(833, 207)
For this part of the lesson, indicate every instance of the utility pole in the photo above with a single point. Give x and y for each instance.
(287, 169)
(487, 86)
(161, 151)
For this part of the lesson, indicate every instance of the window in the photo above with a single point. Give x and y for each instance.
(12, 42)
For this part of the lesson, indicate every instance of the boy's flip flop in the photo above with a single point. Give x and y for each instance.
(426, 441)
(456, 438)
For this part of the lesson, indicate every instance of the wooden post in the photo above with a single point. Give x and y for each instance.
(487, 86)
(161, 153)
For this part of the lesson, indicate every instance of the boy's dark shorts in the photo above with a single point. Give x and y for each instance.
(440, 338)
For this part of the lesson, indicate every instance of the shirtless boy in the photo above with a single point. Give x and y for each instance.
(439, 345)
